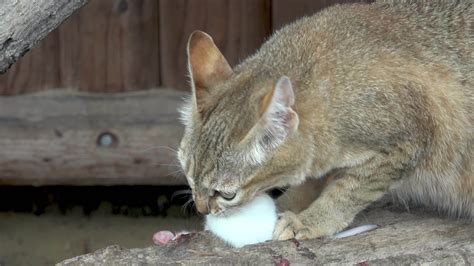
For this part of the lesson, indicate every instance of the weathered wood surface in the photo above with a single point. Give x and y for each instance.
(237, 27)
(402, 238)
(107, 46)
(111, 46)
(52, 138)
(24, 22)
(126, 45)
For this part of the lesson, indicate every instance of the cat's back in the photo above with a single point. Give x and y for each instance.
(345, 44)
(434, 31)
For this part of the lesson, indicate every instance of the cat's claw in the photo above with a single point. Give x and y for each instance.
(290, 226)
(287, 227)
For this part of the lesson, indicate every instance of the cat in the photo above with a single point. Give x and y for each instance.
(380, 96)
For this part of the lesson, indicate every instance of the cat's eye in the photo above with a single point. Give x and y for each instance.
(226, 195)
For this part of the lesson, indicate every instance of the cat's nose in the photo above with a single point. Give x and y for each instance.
(201, 206)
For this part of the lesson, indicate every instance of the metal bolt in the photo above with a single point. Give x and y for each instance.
(107, 139)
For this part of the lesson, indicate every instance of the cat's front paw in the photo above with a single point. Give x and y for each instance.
(290, 225)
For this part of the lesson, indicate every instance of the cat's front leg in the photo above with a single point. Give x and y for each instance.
(313, 222)
(337, 206)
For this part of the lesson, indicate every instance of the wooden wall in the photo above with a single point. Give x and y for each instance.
(123, 45)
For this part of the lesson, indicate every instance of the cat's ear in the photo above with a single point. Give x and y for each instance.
(278, 120)
(207, 67)
(278, 117)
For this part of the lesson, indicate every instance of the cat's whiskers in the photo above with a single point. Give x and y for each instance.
(285, 193)
(182, 192)
(187, 204)
(176, 174)
(168, 164)
(159, 147)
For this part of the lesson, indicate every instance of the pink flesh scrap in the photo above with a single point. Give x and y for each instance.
(163, 237)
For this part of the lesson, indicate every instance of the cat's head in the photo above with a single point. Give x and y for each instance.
(237, 130)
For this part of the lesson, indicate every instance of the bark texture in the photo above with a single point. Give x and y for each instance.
(419, 237)
(25, 22)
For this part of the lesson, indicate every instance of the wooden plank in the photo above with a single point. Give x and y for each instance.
(23, 23)
(37, 69)
(57, 138)
(238, 28)
(111, 46)
(108, 46)
(286, 11)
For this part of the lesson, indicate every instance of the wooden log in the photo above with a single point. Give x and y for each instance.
(24, 22)
(402, 238)
(77, 138)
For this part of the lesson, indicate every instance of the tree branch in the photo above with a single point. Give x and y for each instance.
(402, 238)
(23, 23)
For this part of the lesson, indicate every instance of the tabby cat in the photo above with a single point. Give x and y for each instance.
(381, 96)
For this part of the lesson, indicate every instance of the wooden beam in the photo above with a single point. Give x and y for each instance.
(24, 22)
(77, 138)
